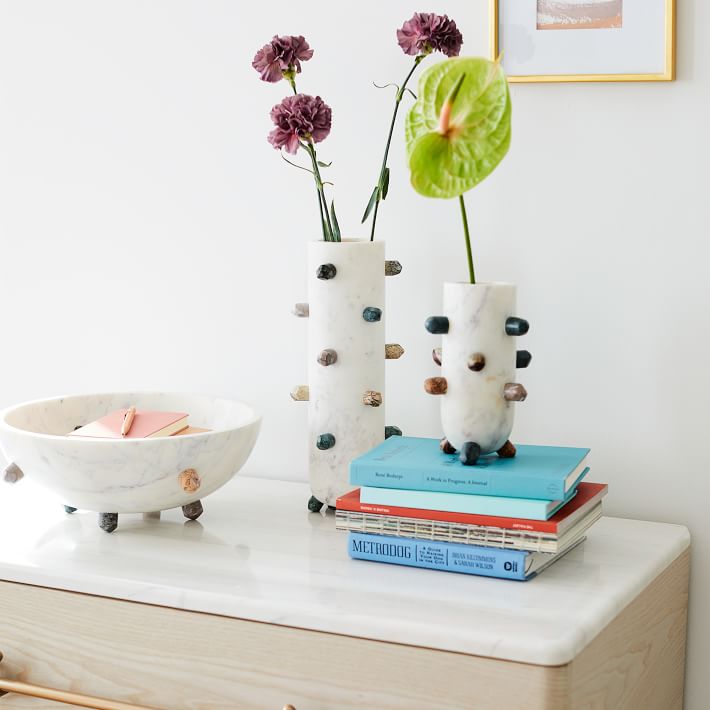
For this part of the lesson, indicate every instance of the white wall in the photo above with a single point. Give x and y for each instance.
(151, 238)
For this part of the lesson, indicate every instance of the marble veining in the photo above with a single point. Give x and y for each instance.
(130, 476)
(473, 408)
(259, 555)
(346, 316)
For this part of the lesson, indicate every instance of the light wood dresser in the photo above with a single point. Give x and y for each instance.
(257, 605)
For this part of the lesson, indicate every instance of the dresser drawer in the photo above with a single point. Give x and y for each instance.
(170, 659)
(178, 660)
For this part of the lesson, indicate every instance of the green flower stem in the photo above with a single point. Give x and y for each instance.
(328, 227)
(467, 236)
(380, 181)
(322, 218)
(322, 204)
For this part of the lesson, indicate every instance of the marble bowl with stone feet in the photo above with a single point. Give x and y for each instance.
(114, 476)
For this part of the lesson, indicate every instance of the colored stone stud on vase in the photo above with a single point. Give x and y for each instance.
(478, 359)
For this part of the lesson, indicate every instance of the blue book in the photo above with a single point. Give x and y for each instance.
(411, 463)
(449, 557)
(530, 508)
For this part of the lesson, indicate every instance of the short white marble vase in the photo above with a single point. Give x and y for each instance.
(478, 359)
(346, 360)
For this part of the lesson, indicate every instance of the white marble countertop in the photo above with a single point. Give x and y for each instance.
(257, 554)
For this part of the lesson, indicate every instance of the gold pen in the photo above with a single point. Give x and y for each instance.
(128, 420)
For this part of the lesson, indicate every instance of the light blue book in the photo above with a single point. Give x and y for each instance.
(411, 463)
(530, 508)
(449, 557)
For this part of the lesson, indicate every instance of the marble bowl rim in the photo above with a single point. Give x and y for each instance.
(255, 418)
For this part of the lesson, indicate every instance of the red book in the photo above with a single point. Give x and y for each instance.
(588, 495)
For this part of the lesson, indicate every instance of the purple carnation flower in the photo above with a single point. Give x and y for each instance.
(427, 32)
(299, 118)
(281, 55)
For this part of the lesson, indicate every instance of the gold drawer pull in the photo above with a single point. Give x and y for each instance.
(62, 696)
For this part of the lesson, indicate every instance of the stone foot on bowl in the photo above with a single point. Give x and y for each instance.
(108, 522)
(193, 510)
(470, 453)
(507, 451)
(69, 509)
(314, 505)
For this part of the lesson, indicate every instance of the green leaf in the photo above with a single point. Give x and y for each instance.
(324, 165)
(371, 204)
(448, 165)
(385, 183)
(334, 222)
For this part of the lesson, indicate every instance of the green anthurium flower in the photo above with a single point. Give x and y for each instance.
(459, 128)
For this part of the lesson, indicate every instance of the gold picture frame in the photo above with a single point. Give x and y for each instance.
(668, 74)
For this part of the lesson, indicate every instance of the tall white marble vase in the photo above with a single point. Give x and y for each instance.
(478, 358)
(346, 360)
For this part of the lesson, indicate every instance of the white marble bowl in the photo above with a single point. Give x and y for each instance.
(128, 476)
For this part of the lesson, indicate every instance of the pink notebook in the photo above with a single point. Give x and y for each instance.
(146, 425)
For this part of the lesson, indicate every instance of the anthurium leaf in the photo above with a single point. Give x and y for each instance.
(385, 183)
(334, 222)
(446, 161)
(371, 203)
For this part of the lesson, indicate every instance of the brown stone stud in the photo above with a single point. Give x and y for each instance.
(436, 356)
(514, 392)
(327, 357)
(301, 393)
(189, 480)
(393, 351)
(301, 310)
(436, 385)
(392, 268)
(372, 398)
(476, 362)
(507, 451)
(446, 447)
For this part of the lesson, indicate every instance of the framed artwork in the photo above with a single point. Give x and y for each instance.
(584, 40)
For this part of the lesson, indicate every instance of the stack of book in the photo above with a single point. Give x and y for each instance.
(508, 518)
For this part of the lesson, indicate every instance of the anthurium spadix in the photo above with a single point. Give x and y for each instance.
(459, 128)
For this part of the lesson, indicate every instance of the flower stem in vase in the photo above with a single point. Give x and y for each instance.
(382, 181)
(467, 237)
(328, 233)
